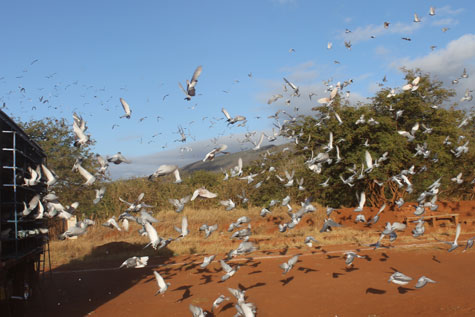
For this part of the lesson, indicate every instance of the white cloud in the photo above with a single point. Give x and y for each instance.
(445, 61)
(445, 22)
(381, 51)
(364, 33)
(302, 72)
(447, 64)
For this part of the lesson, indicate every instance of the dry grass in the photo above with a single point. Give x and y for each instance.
(101, 243)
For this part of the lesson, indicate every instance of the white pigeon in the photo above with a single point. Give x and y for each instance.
(126, 107)
(162, 286)
(207, 260)
(152, 235)
(34, 179)
(202, 192)
(229, 204)
(218, 301)
(99, 195)
(112, 223)
(228, 269)
(416, 18)
(135, 262)
(287, 266)
(361, 202)
(413, 86)
(399, 278)
(50, 177)
(184, 228)
(90, 179)
(166, 169)
(179, 204)
(117, 159)
(422, 281)
(210, 156)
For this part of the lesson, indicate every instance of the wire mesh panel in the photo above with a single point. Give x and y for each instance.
(22, 229)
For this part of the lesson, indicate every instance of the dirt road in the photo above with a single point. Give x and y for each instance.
(320, 284)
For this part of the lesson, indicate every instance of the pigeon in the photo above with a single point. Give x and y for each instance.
(328, 224)
(208, 229)
(112, 223)
(207, 260)
(135, 262)
(166, 169)
(179, 204)
(308, 241)
(218, 301)
(90, 179)
(469, 244)
(210, 156)
(230, 119)
(361, 202)
(228, 269)
(376, 217)
(229, 204)
(422, 281)
(99, 195)
(287, 266)
(454, 245)
(117, 159)
(197, 311)
(350, 256)
(162, 286)
(126, 107)
(190, 85)
(203, 192)
(399, 278)
(184, 228)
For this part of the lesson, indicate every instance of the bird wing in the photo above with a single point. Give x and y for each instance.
(126, 106)
(185, 199)
(183, 89)
(195, 194)
(369, 160)
(226, 113)
(125, 201)
(174, 202)
(226, 267)
(184, 224)
(222, 147)
(457, 232)
(290, 84)
(293, 260)
(362, 199)
(160, 281)
(196, 74)
(176, 173)
(151, 232)
(415, 128)
(333, 93)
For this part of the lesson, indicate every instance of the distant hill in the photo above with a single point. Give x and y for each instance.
(228, 161)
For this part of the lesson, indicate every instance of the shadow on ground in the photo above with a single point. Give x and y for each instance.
(96, 277)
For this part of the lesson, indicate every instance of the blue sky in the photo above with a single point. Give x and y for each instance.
(91, 53)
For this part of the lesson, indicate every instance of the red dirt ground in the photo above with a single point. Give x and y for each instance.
(318, 285)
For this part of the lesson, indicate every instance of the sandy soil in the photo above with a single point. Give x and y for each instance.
(320, 284)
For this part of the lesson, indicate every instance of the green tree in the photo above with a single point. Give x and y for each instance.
(56, 138)
(425, 107)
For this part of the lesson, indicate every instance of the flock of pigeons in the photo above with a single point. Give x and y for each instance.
(136, 211)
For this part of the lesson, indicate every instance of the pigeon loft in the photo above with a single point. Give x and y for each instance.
(24, 246)
(433, 219)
